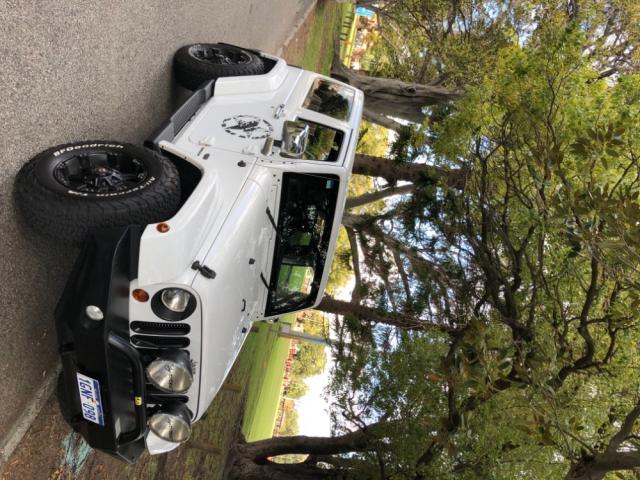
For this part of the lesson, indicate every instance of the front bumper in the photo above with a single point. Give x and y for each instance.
(101, 349)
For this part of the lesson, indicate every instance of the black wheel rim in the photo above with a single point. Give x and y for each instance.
(102, 172)
(219, 55)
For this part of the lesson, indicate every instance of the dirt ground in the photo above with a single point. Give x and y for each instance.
(294, 50)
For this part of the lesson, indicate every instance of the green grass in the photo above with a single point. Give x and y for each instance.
(318, 52)
(265, 383)
(347, 33)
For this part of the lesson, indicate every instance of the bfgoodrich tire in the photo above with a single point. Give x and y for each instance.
(69, 190)
(195, 64)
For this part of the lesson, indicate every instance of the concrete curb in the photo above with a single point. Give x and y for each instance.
(297, 27)
(13, 437)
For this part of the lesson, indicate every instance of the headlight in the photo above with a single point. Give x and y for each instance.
(171, 372)
(173, 304)
(175, 299)
(172, 423)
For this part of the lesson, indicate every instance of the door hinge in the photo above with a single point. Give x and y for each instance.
(279, 111)
(203, 269)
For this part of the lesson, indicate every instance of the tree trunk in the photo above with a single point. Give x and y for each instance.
(350, 442)
(394, 172)
(394, 98)
(249, 461)
(382, 120)
(244, 468)
(371, 315)
(595, 468)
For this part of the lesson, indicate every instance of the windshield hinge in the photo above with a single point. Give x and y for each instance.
(203, 269)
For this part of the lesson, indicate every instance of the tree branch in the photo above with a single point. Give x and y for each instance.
(371, 197)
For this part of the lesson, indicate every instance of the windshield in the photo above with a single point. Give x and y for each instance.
(330, 98)
(305, 218)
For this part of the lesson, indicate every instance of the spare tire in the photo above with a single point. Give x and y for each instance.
(195, 64)
(69, 190)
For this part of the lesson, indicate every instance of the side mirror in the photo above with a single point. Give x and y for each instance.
(295, 136)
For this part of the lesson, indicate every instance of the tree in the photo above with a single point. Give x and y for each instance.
(434, 50)
(290, 422)
(426, 44)
(297, 389)
(529, 270)
(595, 465)
(390, 97)
(310, 360)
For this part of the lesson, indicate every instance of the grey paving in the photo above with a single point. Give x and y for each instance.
(78, 70)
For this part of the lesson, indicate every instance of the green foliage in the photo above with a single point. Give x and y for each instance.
(532, 267)
(289, 423)
(298, 388)
(310, 360)
(373, 140)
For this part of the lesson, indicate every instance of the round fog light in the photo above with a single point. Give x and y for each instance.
(175, 299)
(171, 372)
(94, 313)
(172, 423)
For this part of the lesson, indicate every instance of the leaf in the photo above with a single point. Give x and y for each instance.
(533, 173)
(547, 439)
(579, 149)
(524, 428)
(504, 365)
(471, 384)
(619, 131)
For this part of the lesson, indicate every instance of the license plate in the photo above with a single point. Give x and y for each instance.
(89, 389)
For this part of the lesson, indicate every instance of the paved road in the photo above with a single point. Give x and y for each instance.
(75, 70)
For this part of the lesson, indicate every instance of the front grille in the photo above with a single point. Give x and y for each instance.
(156, 396)
(159, 328)
(148, 341)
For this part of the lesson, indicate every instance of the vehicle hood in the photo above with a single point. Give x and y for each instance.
(232, 298)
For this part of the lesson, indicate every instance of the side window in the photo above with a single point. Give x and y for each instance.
(305, 221)
(324, 142)
(330, 99)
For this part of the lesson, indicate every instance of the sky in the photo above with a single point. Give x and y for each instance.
(313, 408)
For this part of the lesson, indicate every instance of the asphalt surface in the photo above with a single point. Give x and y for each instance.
(77, 70)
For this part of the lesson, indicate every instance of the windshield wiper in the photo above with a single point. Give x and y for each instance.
(272, 220)
(264, 281)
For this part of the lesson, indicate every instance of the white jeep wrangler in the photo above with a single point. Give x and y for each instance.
(228, 216)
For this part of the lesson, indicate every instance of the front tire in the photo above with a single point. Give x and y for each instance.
(69, 190)
(195, 64)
